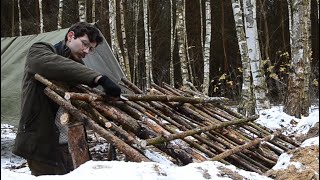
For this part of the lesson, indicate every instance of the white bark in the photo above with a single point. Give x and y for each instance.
(181, 40)
(124, 41)
(136, 52)
(82, 14)
(206, 49)
(258, 76)
(172, 40)
(114, 35)
(298, 100)
(147, 41)
(41, 16)
(60, 14)
(20, 26)
(93, 11)
(246, 106)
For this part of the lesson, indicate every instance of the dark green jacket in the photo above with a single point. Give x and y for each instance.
(37, 136)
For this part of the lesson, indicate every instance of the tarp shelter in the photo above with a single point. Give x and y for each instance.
(13, 56)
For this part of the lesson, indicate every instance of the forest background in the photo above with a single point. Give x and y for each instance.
(253, 52)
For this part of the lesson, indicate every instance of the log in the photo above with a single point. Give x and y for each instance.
(77, 144)
(245, 146)
(49, 84)
(117, 115)
(172, 98)
(166, 138)
(132, 86)
(130, 152)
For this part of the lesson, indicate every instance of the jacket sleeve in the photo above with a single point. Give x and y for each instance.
(43, 60)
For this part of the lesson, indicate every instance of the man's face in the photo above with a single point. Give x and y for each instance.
(79, 46)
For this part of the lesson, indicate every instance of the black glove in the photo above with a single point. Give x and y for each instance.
(110, 88)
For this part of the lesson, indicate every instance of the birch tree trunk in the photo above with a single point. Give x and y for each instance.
(114, 33)
(297, 101)
(147, 42)
(41, 16)
(82, 14)
(124, 41)
(20, 26)
(12, 19)
(93, 12)
(247, 104)
(136, 51)
(206, 49)
(259, 82)
(172, 41)
(60, 14)
(180, 15)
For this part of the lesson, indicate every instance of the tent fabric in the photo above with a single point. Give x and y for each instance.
(13, 56)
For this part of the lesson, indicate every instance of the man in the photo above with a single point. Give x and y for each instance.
(37, 139)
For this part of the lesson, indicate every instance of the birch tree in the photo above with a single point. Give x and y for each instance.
(180, 15)
(82, 14)
(93, 11)
(114, 33)
(136, 52)
(297, 101)
(172, 41)
(20, 26)
(41, 16)
(60, 14)
(147, 43)
(12, 19)
(124, 42)
(258, 77)
(206, 49)
(247, 104)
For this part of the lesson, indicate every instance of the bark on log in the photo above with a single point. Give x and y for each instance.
(77, 144)
(166, 138)
(117, 115)
(132, 86)
(130, 152)
(245, 146)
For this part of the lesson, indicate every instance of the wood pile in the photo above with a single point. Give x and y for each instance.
(181, 124)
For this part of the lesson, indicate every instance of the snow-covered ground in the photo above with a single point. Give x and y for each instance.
(14, 168)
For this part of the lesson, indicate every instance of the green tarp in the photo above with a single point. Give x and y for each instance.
(13, 53)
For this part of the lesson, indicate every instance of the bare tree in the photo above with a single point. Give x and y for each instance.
(60, 14)
(297, 101)
(247, 104)
(258, 77)
(124, 42)
(147, 40)
(136, 52)
(20, 26)
(172, 41)
(93, 10)
(82, 13)
(181, 31)
(12, 19)
(41, 16)
(206, 49)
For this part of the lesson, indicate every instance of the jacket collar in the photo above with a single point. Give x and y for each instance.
(63, 50)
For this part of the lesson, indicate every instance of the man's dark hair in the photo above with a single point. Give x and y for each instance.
(82, 28)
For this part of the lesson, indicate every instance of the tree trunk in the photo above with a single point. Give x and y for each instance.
(147, 43)
(12, 19)
(247, 103)
(297, 101)
(180, 14)
(60, 14)
(93, 11)
(259, 82)
(206, 49)
(172, 42)
(82, 13)
(20, 26)
(124, 41)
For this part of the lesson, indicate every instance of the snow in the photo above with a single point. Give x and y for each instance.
(162, 169)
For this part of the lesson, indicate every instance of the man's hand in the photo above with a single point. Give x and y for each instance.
(110, 88)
